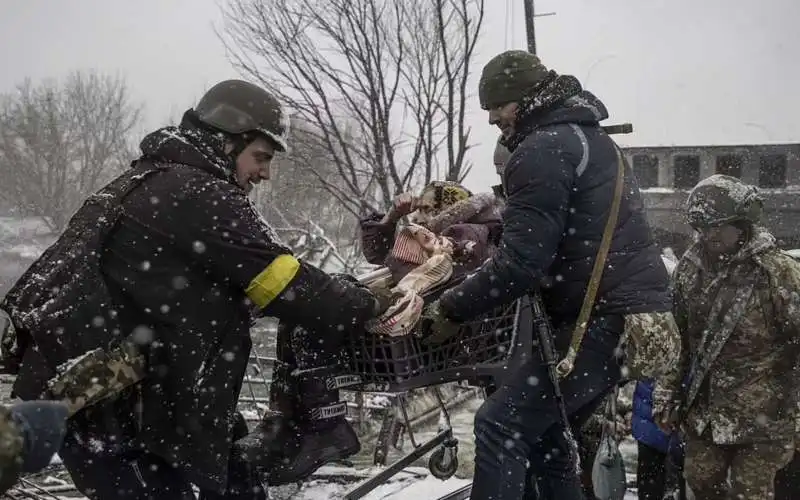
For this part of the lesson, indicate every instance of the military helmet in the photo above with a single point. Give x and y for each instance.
(239, 107)
(722, 199)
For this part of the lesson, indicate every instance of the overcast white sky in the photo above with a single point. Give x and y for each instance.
(682, 71)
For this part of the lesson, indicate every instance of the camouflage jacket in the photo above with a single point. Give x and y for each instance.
(749, 392)
(652, 348)
(652, 344)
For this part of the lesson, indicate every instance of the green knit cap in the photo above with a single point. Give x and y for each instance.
(509, 77)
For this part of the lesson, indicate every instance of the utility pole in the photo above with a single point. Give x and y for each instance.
(530, 30)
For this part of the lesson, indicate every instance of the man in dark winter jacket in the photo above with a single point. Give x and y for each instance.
(186, 262)
(559, 184)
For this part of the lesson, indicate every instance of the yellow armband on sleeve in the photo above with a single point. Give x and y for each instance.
(272, 280)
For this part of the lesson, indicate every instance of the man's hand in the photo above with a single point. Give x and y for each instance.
(463, 250)
(617, 428)
(665, 409)
(384, 298)
(442, 328)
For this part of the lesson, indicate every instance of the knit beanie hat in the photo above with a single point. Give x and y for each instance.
(509, 77)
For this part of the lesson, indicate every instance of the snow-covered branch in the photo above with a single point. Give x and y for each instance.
(379, 85)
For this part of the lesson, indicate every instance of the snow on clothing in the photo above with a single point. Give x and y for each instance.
(517, 429)
(187, 264)
(134, 476)
(749, 393)
(643, 426)
(475, 220)
(739, 316)
(559, 183)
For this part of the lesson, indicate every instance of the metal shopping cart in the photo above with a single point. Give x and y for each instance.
(484, 350)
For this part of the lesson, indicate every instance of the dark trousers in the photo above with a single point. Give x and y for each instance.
(139, 475)
(787, 480)
(651, 473)
(520, 445)
(658, 473)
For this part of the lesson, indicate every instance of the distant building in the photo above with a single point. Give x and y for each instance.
(667, 173)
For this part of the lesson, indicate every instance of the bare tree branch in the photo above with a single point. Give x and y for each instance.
(59, 142)
(379, 84)
(294, 193)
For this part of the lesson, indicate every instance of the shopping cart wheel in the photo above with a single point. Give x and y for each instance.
(444, 461)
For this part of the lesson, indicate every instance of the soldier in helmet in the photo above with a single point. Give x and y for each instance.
(737, 306)
(171, 261)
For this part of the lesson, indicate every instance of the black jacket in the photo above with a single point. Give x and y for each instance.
(559, 185)
(187, 264)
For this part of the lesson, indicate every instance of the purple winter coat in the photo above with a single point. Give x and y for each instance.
(476, 219)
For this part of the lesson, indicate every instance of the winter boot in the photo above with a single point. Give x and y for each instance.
(306, 427)
(266, 444)
(321, 432)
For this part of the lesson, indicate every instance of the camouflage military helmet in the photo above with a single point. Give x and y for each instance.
(238, 107)
(722, 199)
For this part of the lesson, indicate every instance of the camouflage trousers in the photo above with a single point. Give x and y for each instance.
(752, 468)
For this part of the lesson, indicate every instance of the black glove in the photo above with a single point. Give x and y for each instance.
(442, 328)
(384, 298)
(43, 425)
(346, 277)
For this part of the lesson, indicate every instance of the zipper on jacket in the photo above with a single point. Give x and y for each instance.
(138, 472)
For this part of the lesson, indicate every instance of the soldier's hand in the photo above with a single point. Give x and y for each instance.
(442, 328)
(619, 427)
(384, 298)
(666, 420)
(665, 409)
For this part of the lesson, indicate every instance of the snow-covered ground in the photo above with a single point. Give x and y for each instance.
(416, 483)
(413, 483)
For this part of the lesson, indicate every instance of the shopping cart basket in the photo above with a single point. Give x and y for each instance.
(485, 349)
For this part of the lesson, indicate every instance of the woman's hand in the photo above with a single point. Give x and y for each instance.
(402, 205)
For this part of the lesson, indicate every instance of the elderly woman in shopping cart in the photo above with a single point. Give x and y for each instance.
(450, 232)
(471, 222)
(562, 182)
